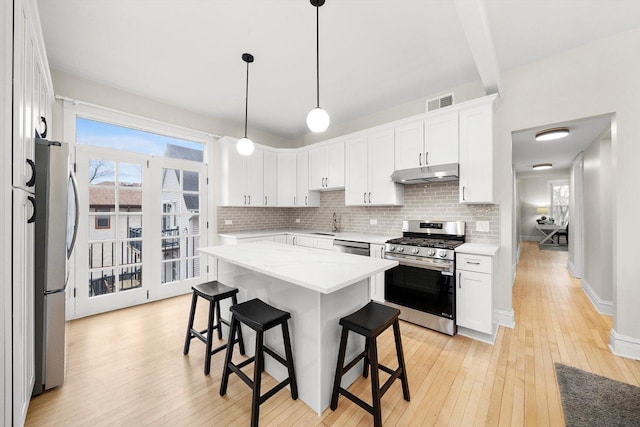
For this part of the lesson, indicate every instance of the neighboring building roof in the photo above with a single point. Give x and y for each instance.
(104, 195)
(191, 201)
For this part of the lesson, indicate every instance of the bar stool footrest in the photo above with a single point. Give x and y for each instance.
(355, 399)
(274, 390)
(354, 362)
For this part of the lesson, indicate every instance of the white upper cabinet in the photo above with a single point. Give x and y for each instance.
(33, 91)
(242, 177)
(287, 188)
(326, 166)
(476, 152)
(428, 141)
(369, 165)
(270, 178)
(304, 197)
(441, 139)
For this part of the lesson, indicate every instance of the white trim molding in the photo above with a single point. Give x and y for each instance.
(572, 269)
(602, 306)
(624, 346)
(505, 318)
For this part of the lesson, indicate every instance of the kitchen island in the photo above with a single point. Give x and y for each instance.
(317, 287)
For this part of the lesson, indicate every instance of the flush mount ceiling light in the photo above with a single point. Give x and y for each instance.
(317, 119)
(542, 166)
(245, 146)
(551, 134)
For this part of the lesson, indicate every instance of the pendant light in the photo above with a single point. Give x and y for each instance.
(245, 146)
(318, 119)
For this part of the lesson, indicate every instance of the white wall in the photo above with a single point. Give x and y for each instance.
(591, 80)
(77, 88)
(598, 265)
(533, 192)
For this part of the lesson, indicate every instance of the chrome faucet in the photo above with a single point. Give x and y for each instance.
(335, 223)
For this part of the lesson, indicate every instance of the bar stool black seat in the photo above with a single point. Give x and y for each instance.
(260, 317)
(370, 321)
(214, 292)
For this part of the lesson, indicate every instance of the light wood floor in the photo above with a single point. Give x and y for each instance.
(127, 368)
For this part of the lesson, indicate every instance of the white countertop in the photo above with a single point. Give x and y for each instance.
(357, 237)
(478, 249)
(316, 269)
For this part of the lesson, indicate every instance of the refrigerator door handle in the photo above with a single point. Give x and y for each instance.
(72, 178)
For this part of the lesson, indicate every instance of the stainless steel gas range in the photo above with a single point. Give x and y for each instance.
(423, 285)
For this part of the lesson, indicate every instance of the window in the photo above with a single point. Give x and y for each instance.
(103, 221)
(559, 211)
(100, 134)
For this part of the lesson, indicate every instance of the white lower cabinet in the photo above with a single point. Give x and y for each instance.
(474, 292)
(376, 282)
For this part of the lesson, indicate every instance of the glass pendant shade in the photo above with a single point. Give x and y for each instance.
(245, 146)
(318, 120)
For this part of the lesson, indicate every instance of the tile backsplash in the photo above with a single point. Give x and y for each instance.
(430, 201)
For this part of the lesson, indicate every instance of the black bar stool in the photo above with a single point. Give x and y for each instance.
(370, 321)
(214, 292)
(260, 317)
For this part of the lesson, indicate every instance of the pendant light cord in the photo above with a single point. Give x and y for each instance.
(246, 102)
(318, 56)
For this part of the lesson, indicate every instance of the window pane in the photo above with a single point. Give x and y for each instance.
(130, 278)
(101, 282)
(129, 175)
(99, 134)
(102, 172)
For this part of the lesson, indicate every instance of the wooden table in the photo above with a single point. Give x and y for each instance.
(549, 230)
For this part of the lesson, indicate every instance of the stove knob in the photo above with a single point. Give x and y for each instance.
(442, 254)
(392, 248)
(415, 250)
(400, 249)
(431, 252)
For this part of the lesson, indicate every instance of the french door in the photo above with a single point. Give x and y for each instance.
(139, 230)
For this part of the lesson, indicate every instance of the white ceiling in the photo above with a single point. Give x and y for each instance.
(560, 152)
(374, 54)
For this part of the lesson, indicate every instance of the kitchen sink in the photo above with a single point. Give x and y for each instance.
(324, 234)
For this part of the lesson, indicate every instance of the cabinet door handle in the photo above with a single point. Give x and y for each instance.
(382, 252)
(472, 263)
(306, 200)
(249, 198)
(245, 199)
(265, 201)
(294, 240)
(33, 215)
(419, 159)
(364, 197)
(459, 280)
(426, 158)
(463, 199)
(369, 197)
(294, 200)
(44, 132)
(32, 181)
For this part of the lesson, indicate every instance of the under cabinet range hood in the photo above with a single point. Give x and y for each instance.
(436, 173)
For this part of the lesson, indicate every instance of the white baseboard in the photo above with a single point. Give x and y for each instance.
(505, 318)
(572, 269)
(624, 346)
(478, 336)
(602, 306)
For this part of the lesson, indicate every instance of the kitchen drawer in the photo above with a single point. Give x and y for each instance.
(477, 263)
(324, 244)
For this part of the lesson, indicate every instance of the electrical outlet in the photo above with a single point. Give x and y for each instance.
(297, 219)
(228, 222)
(373, 222)
(482, 226)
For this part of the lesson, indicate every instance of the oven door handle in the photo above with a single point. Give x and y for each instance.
(444, 269)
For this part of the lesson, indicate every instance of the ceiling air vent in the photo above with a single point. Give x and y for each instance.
(441, 102)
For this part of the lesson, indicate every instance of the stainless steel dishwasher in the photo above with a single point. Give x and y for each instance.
(351, 247)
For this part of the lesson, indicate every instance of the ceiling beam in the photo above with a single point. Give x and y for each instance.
(473, 17)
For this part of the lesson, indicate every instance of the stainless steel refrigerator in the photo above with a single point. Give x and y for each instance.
(56, 215)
